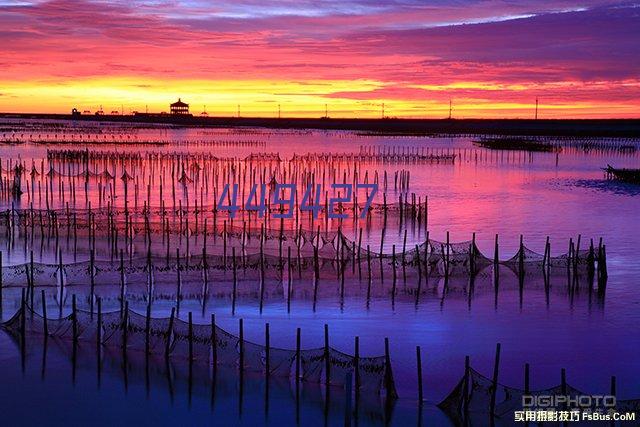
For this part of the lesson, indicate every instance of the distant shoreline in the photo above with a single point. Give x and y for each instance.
(613, 128)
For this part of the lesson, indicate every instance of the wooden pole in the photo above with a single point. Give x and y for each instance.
(91, 279)
(267, 351)
(167, 349)
(494, 389)
(214, 340)
(521, 257)
(99, 328)
(235, 281)
(147, 329)
(347, 407)
(241, 344)
(298, 342)
(288, 281)
(613, 385)
(60, 271)
(419, 363)
(31, 281)
(466, 396)
(327, 359)
(122, 283)
(190, 337)
(356, 363)
(45, 328)
(23, 321)
(74, 319)
(125, 327)
(472, 255)
(388, 380)
(179, 277)
(393, 264)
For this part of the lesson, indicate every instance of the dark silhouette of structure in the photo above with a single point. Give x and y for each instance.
(179, 107)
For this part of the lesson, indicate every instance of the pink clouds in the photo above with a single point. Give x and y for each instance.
(559, 50)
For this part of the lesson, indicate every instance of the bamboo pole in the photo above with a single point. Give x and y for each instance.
(419, 368)
(45, 327)
(495, 382)
(298, 342)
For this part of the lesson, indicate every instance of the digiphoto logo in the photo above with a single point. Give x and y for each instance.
(561, 402)
(567, 408)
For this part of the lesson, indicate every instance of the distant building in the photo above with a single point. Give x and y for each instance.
(179, 107)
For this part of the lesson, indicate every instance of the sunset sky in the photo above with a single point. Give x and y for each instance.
(491, 58)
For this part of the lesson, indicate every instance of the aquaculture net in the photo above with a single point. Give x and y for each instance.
(208, 344)
(479, 390)
(306, 254)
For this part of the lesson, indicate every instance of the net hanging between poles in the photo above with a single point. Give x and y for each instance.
(195, 341)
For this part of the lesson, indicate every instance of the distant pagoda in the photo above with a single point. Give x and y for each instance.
(179, 107)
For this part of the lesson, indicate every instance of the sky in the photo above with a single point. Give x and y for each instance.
(490, 58)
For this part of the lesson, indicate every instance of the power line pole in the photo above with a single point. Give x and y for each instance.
(279, 111)
(326, 111)
(238, 110)
(536, 108)
(450, 108)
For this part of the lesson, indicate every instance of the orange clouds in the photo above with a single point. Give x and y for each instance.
(580, 61)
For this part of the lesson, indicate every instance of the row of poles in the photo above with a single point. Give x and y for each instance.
(118, 182)
(572, 265)
(352, 381)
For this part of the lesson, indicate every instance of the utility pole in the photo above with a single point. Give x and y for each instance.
(326, 111)
(279, 111)
(536, 108)
(450, 108)
(238, 110)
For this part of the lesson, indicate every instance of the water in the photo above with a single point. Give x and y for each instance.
(486, 192)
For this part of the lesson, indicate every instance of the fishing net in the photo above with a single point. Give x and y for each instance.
(136, 330)
(312, 364)
(507, 399)
(340, 364)
(198, 338)
(226, 351)
(281, 361)
(268, 254)
(254, 356)
(371, 373)
(112, 327)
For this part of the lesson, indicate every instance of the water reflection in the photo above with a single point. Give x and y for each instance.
(607, 185)
(131, 386)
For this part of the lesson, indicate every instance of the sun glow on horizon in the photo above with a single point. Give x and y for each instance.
(265, 98)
